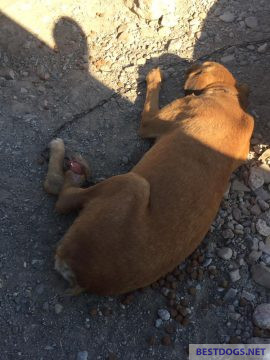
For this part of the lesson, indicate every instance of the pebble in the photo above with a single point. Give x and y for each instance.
(225, 253)
(254, 256)
(234, 316)
(227, 17)
(266, 259)
(227, 234)
(58, 308)
(261, 275)
(263, 194)
(239, 186)
(261, 245)
(174, 45)
(255, 210)
(207, 262)
(248, 296)
(82, 355)
(256, 179)
(164, 314)
(261, 316)
(266, 248)
(251, 22)
(230, 295)
(236, 214)
(158, 323)
(262, 228)
(235, 275)
(169, 20)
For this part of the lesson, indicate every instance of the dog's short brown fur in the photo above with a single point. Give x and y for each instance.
(134, 228)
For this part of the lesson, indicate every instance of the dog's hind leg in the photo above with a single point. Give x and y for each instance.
(55, 176)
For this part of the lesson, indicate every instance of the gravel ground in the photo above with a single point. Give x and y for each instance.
(89, 89)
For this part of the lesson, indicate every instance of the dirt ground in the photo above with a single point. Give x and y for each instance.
(76, 70)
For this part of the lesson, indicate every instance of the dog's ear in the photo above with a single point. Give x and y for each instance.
(191, 78)
(243, 94)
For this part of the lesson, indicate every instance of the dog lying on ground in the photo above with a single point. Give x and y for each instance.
(134, 228)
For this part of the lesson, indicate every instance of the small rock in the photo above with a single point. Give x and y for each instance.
(261, 245)
(225, 253)
(266, 248)
(227, 234)
(58, 308)
(261, 275)
(239, 186)
(10, 75)
(248, 296)
(235, 275)
(256, 179)
(227, 17)
(263, 194)
(251, 22)
(164, 314)
(236, 213)
(122, 28)
(262, 48)
(261, 316)
(174, 45)
(263, 204)
(169, 20)
(158, 323)
(207, 262)
(255, 210)
(82, 355)
(234, 316)
(262, 228)
(266, 259)
(254, 256)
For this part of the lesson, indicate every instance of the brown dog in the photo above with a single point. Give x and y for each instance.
(134, 228)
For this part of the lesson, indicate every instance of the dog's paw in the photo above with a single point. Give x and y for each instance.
(154, 77)
(57, 144)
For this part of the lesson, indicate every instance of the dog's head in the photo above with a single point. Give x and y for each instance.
(199, 77)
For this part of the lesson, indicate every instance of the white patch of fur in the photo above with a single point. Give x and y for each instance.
(62, 267)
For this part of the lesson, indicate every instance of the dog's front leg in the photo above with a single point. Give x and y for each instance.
(151, 125)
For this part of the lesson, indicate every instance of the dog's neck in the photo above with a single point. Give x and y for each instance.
(213, 88)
